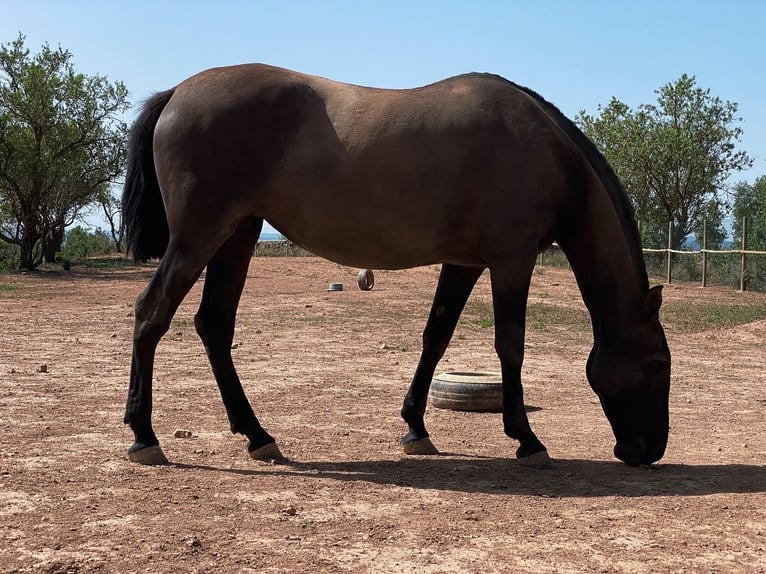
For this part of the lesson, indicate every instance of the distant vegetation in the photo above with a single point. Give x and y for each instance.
(80, 244)
(280, 248)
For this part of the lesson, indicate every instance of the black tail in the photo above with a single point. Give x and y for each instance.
(143, 213)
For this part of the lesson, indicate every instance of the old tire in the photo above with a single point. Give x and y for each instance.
(461, 391)
(365, 279)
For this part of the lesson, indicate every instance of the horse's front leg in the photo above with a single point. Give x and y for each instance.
(154, 310)
(510, 288)
(454, 287)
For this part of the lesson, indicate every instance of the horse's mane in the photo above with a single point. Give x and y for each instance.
(605, 173)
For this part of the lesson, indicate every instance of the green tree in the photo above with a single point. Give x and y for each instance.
(750, 203)
(674, 157)
(81, 243)
(712, 225)
(61, 144)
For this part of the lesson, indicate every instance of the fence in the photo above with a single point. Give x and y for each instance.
(744, 268)
(705, 253)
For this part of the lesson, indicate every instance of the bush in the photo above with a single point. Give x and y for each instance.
(81, 243)
(9, 256)
(282, 248)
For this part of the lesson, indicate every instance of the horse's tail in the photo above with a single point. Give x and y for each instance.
(143, 212)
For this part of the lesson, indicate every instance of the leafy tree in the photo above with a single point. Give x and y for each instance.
(673, 157)
(750, 203)
(654, 233)
(80, 243)
(61, 143)
(712, 223)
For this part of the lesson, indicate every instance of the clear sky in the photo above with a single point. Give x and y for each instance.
(577, 54)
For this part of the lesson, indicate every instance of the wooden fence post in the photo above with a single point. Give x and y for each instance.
(704, 253)
(670, 255)
(742, 285)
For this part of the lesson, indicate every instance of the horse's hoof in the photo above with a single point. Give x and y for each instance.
(268, 452)
(148, 455)
(540, 460)
(420, 446)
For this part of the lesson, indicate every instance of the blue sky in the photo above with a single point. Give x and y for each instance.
(577, 54)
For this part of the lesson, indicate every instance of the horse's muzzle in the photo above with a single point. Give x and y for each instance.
(637, 452)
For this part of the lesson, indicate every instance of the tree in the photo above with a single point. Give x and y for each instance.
(711, 225)
(674, 157)
(111, 207)
(61, 144)
(750, 203)
(81, 243)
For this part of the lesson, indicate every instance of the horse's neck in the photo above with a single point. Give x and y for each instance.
(608, 265)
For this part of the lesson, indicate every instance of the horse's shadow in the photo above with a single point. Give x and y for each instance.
(568, 478)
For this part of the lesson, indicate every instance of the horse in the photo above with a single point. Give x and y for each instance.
(473, 172)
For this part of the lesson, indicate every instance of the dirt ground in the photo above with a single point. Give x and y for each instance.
(326, 373)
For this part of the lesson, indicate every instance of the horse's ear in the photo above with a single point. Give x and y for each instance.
(653, 301)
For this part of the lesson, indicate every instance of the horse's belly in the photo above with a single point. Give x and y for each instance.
(396, 238)
(366, 246)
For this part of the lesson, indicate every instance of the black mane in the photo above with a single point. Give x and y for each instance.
(604, 171)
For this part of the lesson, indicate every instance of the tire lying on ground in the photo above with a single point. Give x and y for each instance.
(465, 391)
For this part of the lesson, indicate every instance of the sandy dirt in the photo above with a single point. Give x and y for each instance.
(326, 373)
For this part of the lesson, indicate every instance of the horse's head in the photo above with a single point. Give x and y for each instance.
(631, 376)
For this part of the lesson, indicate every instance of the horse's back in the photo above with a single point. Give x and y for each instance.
(370, 177)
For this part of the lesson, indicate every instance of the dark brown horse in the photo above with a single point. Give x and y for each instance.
(473, 172)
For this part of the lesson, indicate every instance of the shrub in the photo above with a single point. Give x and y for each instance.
(81, 243)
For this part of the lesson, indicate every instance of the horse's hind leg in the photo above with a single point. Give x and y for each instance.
(510, 289)
(155, 307)
(454, 287)
(224, 281)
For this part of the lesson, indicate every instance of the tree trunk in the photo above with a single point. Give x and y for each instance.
(49, 251)
(52, 243)
(115, 230)
(678, 235)
(116, 238)
(28, 259)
